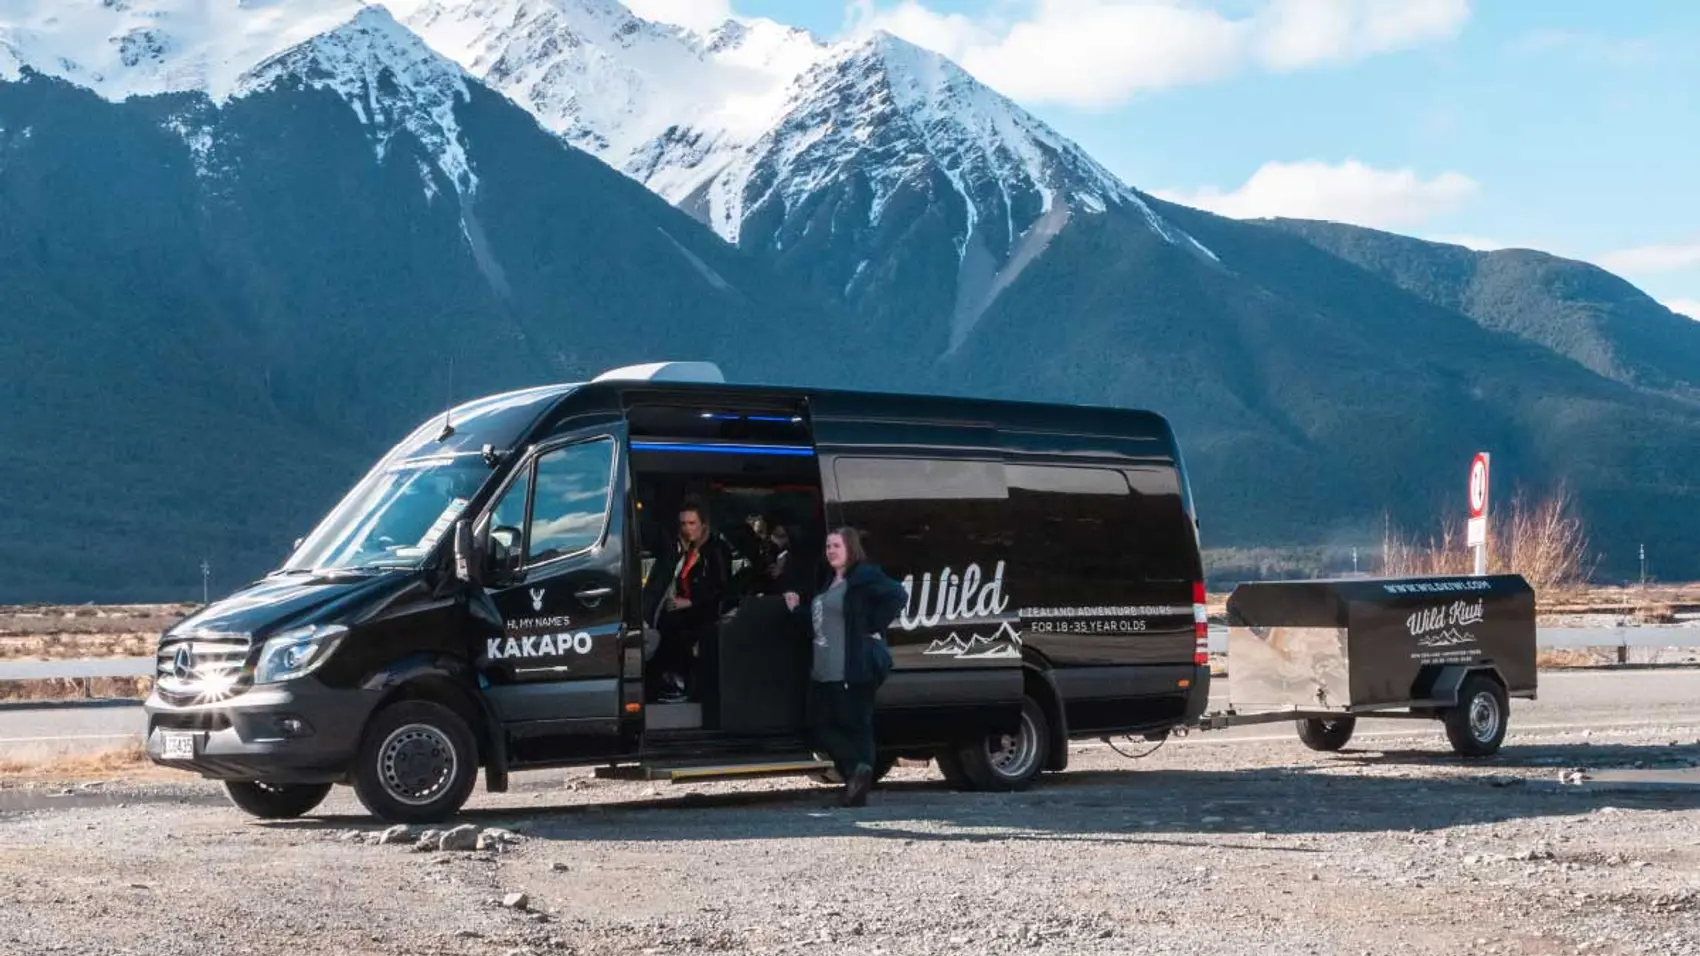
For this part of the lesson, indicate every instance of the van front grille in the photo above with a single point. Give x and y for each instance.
(201, 667)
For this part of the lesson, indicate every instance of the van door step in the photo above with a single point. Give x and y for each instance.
(698, 773)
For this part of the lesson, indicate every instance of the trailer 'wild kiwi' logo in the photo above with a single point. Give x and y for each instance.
(967, 599)
(1446, 625)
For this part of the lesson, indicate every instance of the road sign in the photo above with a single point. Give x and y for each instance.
(1476, 529)
(1479, 486)
(1475, 532)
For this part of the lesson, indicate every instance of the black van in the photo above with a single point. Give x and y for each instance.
(478, 599)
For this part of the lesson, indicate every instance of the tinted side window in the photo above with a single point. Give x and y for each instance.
(1073, 525)
(510, 511)
(570, 507)
(923, 515)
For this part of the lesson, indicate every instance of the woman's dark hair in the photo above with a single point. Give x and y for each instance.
(854, 552)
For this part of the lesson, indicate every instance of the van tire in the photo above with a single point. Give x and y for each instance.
(418, 762)
(1476, 727)
(1006, 762)
(951, 766)
(1327, 735)
(272, 801)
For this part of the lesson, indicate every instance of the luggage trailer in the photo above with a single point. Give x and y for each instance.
(1324, 653)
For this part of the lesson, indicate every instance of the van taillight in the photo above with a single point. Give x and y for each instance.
(1200, 626)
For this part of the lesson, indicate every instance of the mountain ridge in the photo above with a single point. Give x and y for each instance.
(301, 256)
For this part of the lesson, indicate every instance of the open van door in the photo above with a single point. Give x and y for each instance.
(556, 541)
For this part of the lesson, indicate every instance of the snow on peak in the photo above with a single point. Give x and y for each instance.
(391, 79)
(608, 81)
(232, 48)
(124, 48)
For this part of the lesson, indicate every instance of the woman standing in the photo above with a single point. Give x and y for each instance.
(850, 658)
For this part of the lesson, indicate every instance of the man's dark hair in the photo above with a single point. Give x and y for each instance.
(695, 504)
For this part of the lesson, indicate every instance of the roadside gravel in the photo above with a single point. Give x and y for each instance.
(1238, 847)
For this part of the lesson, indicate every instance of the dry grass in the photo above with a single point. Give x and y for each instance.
(1562, 658)
(70, 688)
(1545, 542)
(34, 620)
(132, 756)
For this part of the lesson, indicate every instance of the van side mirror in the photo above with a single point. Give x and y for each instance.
(467, 566)
(501, 554)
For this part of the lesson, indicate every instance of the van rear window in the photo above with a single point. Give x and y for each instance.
(1101, 527)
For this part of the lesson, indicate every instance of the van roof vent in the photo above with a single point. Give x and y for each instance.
(666, 372)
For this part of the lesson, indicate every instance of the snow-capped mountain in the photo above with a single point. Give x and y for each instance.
(124, 48)
(391, 79)
(880, 173)
(761, 130)
(127, 48)
(611, 83)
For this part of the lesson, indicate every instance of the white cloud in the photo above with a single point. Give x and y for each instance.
(1348, 192)
(1099, 53)
(694, 14)
(1688, 307)
(1644, 259)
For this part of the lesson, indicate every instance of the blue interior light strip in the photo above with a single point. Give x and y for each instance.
(794, 451)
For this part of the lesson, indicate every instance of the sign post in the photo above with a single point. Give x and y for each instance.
(1476, 534)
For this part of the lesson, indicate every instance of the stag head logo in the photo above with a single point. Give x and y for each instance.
(537, 599)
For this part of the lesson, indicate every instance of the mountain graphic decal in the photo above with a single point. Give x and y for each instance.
(1005, 644)
(1451, 637)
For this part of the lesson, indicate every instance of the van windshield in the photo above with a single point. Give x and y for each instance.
(394, 517)
(405, 505)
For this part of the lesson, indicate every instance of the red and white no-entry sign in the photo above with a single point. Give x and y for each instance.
(1479, 486)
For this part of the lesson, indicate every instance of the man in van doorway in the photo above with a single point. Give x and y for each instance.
(683, 599)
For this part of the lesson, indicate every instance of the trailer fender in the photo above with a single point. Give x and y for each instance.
(1451, 677)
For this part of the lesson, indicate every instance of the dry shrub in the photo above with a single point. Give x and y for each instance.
(1655, 614)
(1545, 542)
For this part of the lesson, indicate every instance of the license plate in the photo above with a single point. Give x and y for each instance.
(177, 746)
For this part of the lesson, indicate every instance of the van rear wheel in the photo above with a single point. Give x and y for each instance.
(418, 762)
(1003, 762)
(276, 801)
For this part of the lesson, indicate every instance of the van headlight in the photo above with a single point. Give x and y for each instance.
(297, 652)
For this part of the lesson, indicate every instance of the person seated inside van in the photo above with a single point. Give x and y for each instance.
(683, 599)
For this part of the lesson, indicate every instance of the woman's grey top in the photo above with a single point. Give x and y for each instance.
(829, 634)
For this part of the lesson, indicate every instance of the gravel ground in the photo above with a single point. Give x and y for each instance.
(1229, 846)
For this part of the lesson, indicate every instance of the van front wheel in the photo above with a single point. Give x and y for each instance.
(1008, 761)
(418, 762)
(271, 801)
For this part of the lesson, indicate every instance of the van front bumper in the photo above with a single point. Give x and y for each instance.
(297, 731)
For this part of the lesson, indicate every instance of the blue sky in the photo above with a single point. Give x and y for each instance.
(1571, 126)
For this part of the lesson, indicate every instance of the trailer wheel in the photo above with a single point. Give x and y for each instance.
(418, 762)
(1008, 761)
(273, 801)
(1476, 727)
(1327, 734)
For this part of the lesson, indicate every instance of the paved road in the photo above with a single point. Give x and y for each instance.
(1570, 701)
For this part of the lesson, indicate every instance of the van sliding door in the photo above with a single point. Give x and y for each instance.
(931, 502)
